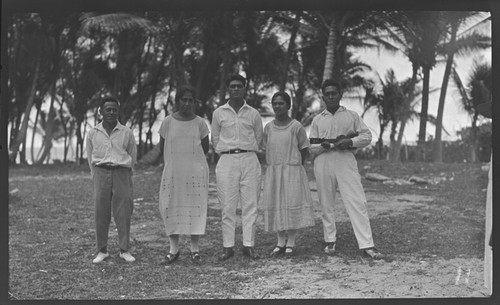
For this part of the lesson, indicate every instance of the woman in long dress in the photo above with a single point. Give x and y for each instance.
(184, 182)
(287, 197)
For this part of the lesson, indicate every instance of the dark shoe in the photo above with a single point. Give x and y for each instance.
(226, 253)
(289, 251)
(170, 258)
(330, 248)
(277, 251)
(195, 256)
(248, 251)
(372, 253)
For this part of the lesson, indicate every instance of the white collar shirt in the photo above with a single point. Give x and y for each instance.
(231, 130)
(329, 126)
(117, 149)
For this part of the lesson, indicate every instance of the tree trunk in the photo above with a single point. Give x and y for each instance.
(140, 119)
(299, 110)
(21, 136)
(423, 116)
(380, 143)
(228, 33)
(289, 52)
(404, 117)
(396, 147)
(33, 134)
(65, 128)
(152, 110)
(474, 132)
(49, 128)
(437, 149)
(330, 50)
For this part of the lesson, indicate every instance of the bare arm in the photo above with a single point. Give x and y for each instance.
(364, 137)
(304, 152)
(215, 130)
(132, 149)
(204, 144)
(316, 149)
(162, 144)
(90, 148)
(259, 132)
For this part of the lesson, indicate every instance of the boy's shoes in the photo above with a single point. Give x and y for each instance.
(248, 251)
(330, 248)
(100, 257)
(127, 257)
(372, 253)
(226, 253)
(195, 256)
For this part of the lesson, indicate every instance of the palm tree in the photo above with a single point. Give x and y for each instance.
(464, 45)
(385, 102)
(415, 34)
(346, 29)
(478, 90)
(31, 77)
(290, 51)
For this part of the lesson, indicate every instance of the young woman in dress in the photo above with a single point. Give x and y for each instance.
(184, 182)
(287, 198)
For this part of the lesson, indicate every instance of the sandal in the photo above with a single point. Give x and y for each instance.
(195, 256)
(172, 257)
(373, 253)
(289, 251)
(278, 251)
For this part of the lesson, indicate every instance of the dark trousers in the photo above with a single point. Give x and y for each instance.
(113, 193)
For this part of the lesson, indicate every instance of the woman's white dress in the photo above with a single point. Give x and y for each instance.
(184, 182)
(287, 198)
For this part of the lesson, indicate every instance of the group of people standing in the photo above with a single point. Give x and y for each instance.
(238, 136)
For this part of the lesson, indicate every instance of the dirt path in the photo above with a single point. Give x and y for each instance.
(334, 278)
(337, 277)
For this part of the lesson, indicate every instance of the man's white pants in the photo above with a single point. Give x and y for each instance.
(238, 181)
(339, 168)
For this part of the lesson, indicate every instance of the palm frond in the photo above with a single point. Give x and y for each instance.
(115, 23)
(464, 97)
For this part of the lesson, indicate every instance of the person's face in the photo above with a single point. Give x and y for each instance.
(109, 112)
(236, 89)
(187, 103)
(331, 97)
(280, 107)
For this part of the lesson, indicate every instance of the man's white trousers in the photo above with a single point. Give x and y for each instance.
(339, 168)
(238, 182)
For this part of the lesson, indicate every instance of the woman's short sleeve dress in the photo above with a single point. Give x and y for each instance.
(287, 198)
(184, 182)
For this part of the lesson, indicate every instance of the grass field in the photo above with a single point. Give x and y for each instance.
(51, 240)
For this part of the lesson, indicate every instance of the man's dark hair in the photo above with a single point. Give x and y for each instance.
(331, 83)
(238, 78)
(106, 99)
(285, 96)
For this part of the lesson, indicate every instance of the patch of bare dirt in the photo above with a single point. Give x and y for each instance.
(335, 278)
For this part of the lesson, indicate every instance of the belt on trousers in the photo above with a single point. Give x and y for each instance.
(235, 151)
(108, 166)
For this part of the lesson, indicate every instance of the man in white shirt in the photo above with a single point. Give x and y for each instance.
(335, 165)
(112, 154)
(236, 137)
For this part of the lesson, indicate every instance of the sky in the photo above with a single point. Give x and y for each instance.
(454, 118)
